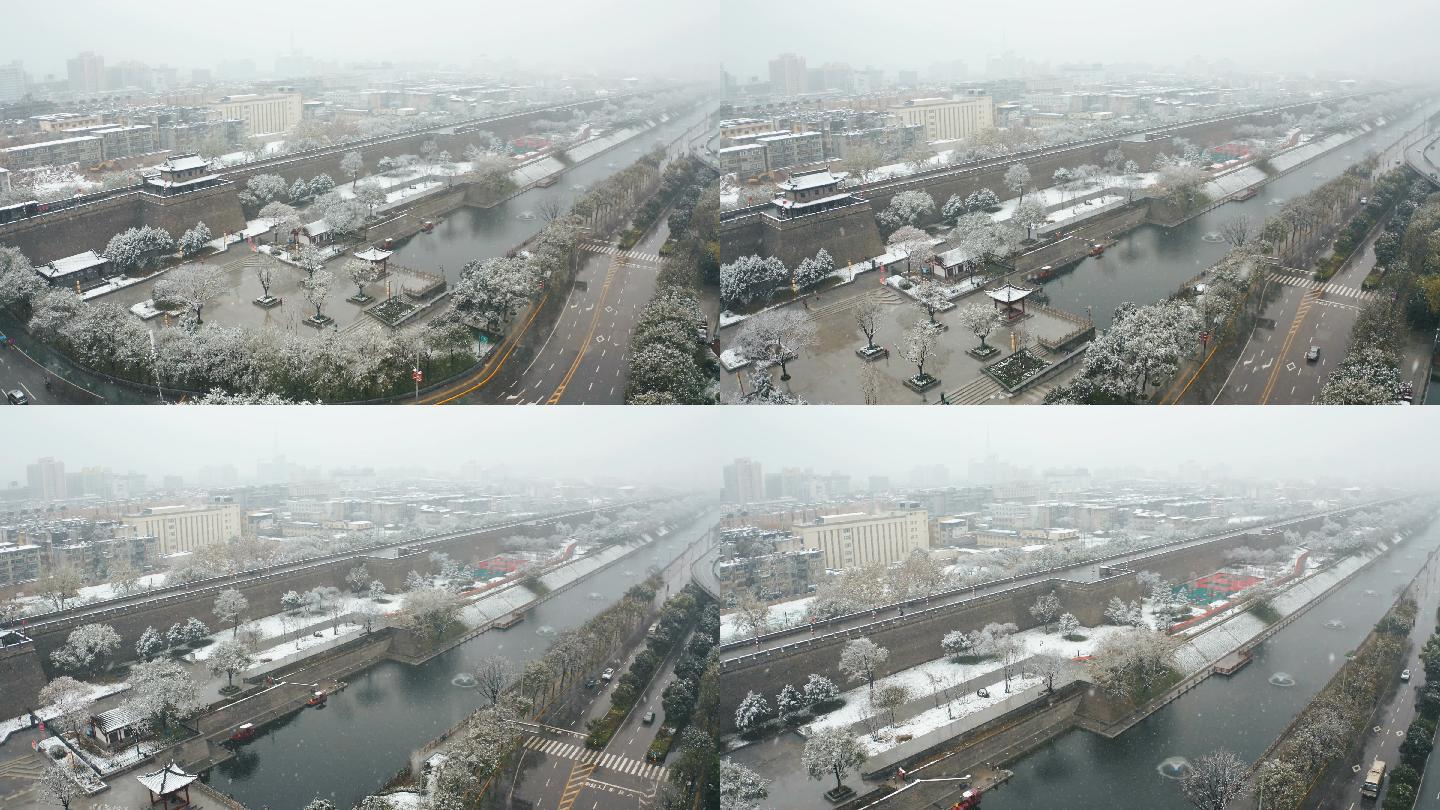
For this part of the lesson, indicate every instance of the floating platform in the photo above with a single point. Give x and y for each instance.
(1233, 662)
(510, 620)
(1244, 194)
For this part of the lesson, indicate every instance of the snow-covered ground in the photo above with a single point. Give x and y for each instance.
(279, 624)
(90, 593)
(782, 616)
(936, 717)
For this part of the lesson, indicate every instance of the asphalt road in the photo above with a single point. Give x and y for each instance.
(1387, 724)
(1087, 572)
(557, 771)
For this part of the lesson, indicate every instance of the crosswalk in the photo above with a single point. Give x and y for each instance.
(1327, 288)
(614, 250)
(612, 762)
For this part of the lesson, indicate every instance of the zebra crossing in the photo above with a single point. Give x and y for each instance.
(614, 250)
(1327, 288)
(580, 753)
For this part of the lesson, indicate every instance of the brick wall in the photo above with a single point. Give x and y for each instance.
(21, 678)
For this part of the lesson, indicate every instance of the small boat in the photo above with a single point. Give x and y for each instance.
(317, 699)
(1097, 249)
(1244, 194)
(389, 244)
(546, 182)
(244, 733)
(427, 226)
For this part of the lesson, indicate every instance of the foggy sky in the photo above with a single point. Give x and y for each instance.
(650, 36)
(1393, 38)
(686, 446)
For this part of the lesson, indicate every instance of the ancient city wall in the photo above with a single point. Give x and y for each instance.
(21, 678)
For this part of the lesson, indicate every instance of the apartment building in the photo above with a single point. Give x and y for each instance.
(18, 564)
(773, 576)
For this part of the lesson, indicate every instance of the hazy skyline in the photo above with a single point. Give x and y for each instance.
(567, 35)
(1389, 38)
(687, 447)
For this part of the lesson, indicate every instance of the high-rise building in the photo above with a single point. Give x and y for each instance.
(87, 73)
(744, 482)
(47, 479)
(14, 84)
(787, 75)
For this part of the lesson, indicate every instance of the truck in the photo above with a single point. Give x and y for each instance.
(1376, 775)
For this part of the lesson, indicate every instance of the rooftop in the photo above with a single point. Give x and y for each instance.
(72, 264)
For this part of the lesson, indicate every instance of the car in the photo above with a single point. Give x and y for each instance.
(1407, 391)
(591, 683)
(17, 397)
(1405, 675)
(607, 675)
(648, 719)
(982, 692)
(1312, 354)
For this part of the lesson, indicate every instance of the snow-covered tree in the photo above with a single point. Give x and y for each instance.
(1215, 780)
(299, 191)
(377, 590)
(194, 240)
(291, 602)
(790, 701)
(921, 345)
(914, 243)
(1046, 667)
(71, 698)
(228, 658)
(492, 677)
(860, 658)
(752, 712)
(979, 320)
(229, 606)
(88, 648)
(263, 189)
(1278, 783)
(820, 690)
(740, 787)
(56, 786)
(162, 690)
(193, 287)
(352, 165)
(930, 296)
(284, 220)
(490, 291)
(1046, 608)
(832, 752)
(1030, 214)
(1068, 625)
(371, 196)
(814, 270)
(431, 612)
(907, 208)
(19, 284)
(138, 248)
(358, 578)
(321, 184)
(959, 642)
(1129, 663)
(751, 278)
(953, 209)
(1368, 375)
(317, 291)
(752, 615)
(776, 337)
(151, 643)
(1017, 177)
(982, 200)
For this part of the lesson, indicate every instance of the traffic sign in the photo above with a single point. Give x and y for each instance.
(417, 375)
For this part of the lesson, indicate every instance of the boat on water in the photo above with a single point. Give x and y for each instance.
(427, 226)
(244, 733)
(1244, 194)
(1097, 249)
(317, 699)
(548, 181)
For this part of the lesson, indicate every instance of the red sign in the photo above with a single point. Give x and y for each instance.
(417, 375)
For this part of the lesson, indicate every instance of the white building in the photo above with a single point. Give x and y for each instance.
(860, 538)
(183, 529)
(263, 114)
(948, 118)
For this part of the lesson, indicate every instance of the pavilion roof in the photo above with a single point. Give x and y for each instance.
(1009, 294)
(374, 254)
(166, 780)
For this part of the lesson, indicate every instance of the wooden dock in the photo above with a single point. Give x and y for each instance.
(1233, 662)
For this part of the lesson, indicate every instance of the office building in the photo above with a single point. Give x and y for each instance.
(270, 114)
(14, 84)
(46, 479)
(187, 528)
(860, 538)
(87, 73)
(787, 75)
(948, 118)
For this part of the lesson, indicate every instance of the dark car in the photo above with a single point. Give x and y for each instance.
(591, 683)
(1313, 354)
(17, 397)
(648, 718)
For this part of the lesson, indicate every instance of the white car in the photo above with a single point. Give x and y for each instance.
(607, 675)
(1405, 675)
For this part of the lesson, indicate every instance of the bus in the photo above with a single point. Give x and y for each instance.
(1371, 788)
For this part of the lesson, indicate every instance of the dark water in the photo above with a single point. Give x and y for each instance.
(366, 733)
(1243, 713)
(1150, 262)
(471, 233)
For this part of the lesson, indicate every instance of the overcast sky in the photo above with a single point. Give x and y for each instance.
(652, 36)
(1390, 37)
(687, 446)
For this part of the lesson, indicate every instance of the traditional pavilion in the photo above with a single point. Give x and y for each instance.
(1007, 298)
(379, 259)
(169, 786)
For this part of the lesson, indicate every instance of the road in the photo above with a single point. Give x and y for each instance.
(1387, 724)
(556, 770)
(1088, 572)
(583, 357)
